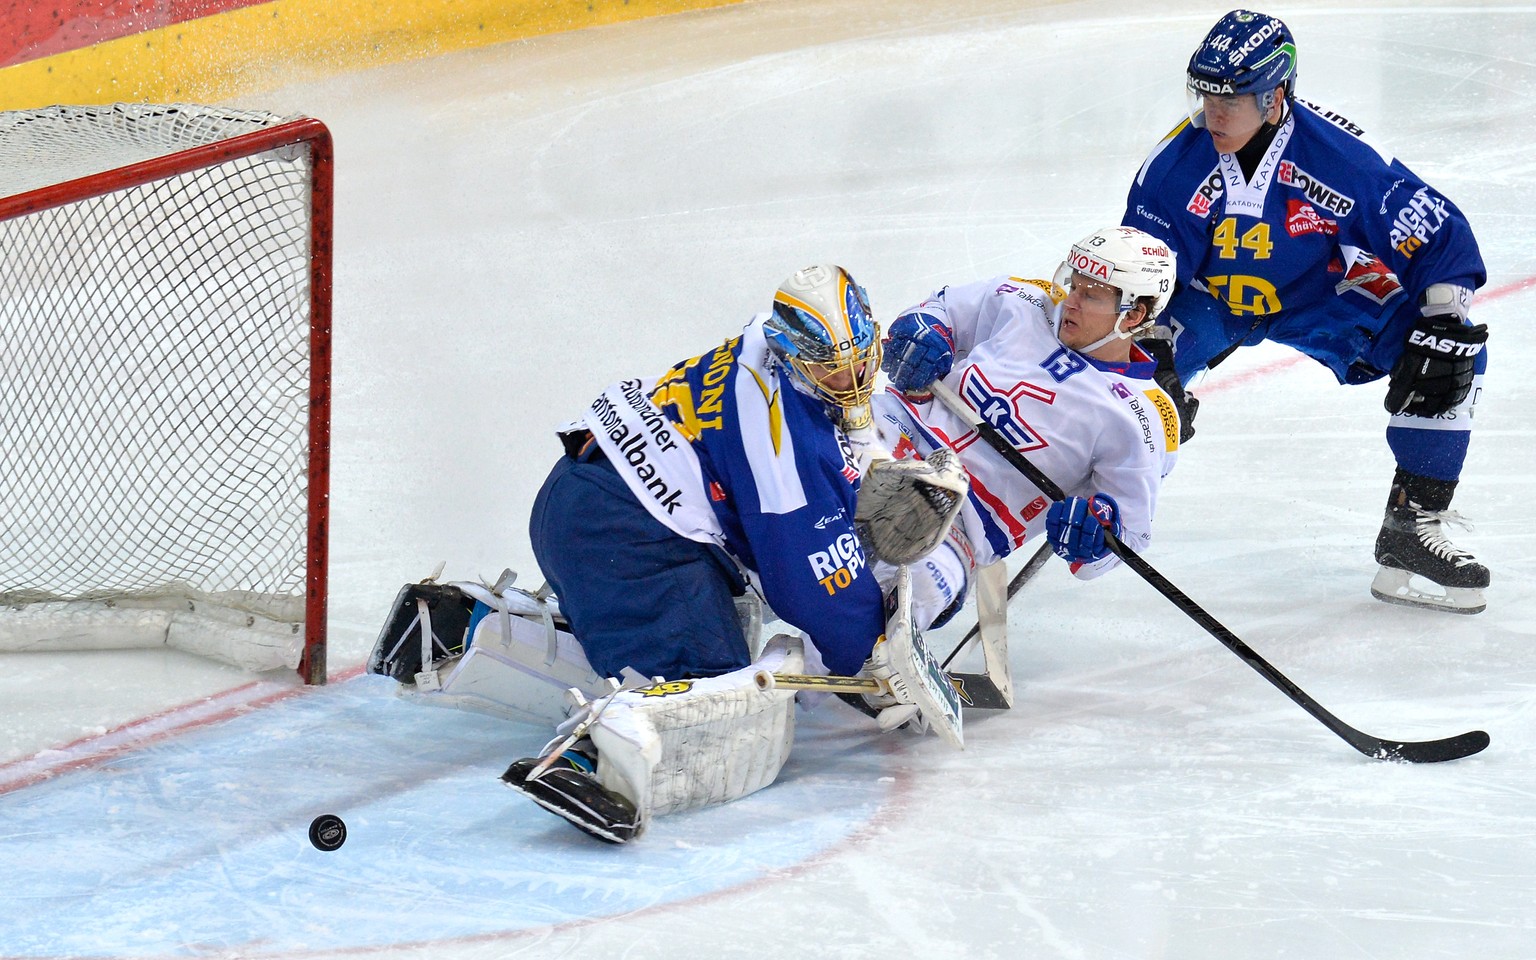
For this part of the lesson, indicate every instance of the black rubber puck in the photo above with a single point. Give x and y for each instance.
(327, 832)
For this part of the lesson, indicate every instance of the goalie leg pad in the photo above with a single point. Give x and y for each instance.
(518, 664)
(940, 581)
(681, 744)
(398, 652)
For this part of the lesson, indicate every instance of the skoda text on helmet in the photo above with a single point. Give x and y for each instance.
(1135, 263)
(1245, 53)
(822, 328)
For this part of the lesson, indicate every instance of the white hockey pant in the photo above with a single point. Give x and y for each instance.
(939, 580)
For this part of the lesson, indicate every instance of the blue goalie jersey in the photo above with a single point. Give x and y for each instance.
(723, 449)
(1325, 245)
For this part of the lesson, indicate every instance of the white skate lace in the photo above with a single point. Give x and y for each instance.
(1428, 525)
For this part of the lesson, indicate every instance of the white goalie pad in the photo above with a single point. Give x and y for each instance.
(905, 507)
(681, 744)
(518, 664)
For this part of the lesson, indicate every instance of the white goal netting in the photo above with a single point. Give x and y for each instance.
(156, 382)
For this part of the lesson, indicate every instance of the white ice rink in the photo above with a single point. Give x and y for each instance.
(522, 224)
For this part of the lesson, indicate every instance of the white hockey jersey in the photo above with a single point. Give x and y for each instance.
(1090, 425)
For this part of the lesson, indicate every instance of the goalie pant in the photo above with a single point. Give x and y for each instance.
(1091, 425)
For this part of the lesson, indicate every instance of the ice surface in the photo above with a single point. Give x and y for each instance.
(520, 225)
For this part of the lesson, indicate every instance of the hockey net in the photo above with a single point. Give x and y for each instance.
(164, 382)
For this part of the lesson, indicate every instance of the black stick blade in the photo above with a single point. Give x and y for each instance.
(1425, 751)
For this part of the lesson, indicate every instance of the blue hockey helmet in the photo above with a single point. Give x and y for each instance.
(1245, 53)
(821, 327)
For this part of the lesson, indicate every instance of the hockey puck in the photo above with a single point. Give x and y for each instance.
(327, 832)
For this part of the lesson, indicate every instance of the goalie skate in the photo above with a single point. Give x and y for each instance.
(1421, 568)
(569, 789)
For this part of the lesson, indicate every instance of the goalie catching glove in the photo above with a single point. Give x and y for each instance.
(905, 507)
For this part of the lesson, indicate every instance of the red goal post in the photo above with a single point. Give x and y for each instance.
(165, 324)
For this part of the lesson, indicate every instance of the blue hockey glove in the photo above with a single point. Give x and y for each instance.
(1075, 527)
(918, 351)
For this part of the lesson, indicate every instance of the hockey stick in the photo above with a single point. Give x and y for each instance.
(993, 688)
(1424, 751)
(1025, 574)
(931, 690)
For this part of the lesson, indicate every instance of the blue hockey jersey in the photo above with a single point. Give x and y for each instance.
(723, 449)
(1288, 248)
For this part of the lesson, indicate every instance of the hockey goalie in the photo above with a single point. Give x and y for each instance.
(745, 476)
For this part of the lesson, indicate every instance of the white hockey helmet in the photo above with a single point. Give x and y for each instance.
(1133, 262)
(822, 328)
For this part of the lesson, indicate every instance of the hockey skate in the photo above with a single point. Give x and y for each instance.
(568, 787)
(1412, 544)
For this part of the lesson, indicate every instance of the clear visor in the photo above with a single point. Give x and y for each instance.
(1247, 107)
(1093, 297)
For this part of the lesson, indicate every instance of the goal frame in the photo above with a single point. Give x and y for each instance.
(312, 136)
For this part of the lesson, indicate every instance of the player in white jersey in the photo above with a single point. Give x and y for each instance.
(1051, 365)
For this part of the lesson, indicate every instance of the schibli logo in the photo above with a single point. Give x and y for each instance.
(1200, 203)
(1154, 251)
(1315, 190)
(1417, 221)
(1302, 219)
(836, 567)
(1087, 264)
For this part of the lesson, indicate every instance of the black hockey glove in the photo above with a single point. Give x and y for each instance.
(1434, 373)
(1162, 351)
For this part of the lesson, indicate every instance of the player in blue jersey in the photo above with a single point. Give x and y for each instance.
(1290, 226)
(734, 464)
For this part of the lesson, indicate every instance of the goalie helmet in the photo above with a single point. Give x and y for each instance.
(1245, 53)
(822, 329)
(1133, 262)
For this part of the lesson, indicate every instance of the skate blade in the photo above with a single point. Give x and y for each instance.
(1395, 586)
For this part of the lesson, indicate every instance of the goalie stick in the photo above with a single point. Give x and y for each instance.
(1422, 751)
(931, 689)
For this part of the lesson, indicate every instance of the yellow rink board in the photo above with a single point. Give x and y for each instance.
(271, 44)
